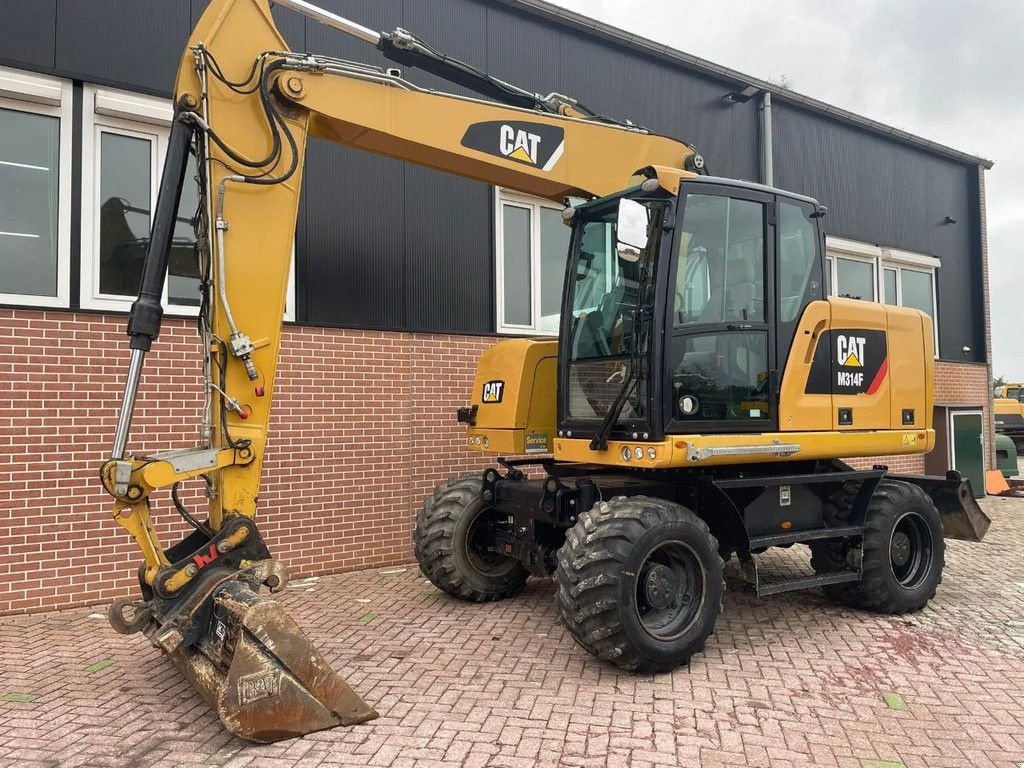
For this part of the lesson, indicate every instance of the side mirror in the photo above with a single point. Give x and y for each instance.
(631, 229)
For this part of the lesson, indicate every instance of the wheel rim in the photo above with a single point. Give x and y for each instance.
(487, 564)
(910, 550)
(670, 589)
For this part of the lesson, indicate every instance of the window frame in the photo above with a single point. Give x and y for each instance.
(47, 97)
(133, 115)
(503, 197)
(883, 258)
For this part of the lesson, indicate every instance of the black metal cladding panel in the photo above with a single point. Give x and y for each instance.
(351, 242)
(352, 239)
(664, 98)
(382, 15)
(27, 33)
(524, 50)
(449, 252)
(133, 43)
(449, 237)
(882, 192)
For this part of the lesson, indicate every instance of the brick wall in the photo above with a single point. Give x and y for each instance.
(363, 428)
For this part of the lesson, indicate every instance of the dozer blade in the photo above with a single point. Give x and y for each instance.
(262, 675)
(962, 516)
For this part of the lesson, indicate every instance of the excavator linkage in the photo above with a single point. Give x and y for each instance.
(245, 141)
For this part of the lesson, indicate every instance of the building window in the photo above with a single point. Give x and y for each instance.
(35, 189)
(532, 247)
(124, 142)
(901, 278)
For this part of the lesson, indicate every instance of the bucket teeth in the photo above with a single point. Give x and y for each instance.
(261, 673)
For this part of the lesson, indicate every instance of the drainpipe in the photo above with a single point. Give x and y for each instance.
(767, 170)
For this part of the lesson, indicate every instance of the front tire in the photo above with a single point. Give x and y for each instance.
(450, 542)
(640, 583)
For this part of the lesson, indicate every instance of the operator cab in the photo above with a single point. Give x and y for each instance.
(680, 309)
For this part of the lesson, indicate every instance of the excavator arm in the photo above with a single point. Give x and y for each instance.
(245, 107)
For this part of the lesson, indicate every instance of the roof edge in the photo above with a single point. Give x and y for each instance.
(717, 71)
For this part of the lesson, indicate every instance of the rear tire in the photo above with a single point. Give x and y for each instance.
(640, 583)
(903, 553)
(450, 547)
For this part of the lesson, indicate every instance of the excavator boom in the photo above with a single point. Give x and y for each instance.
(245, 107)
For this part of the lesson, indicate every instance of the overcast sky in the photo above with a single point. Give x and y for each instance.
(948, 70)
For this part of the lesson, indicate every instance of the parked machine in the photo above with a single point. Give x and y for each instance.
(1008, 410)
(696, 403)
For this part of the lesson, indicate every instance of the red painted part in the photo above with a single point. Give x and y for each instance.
(883, 369)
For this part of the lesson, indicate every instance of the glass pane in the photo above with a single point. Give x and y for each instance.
(595, 384)
(856, 279)
(612, 299)
(554, 247)
(596, 269)
(516, 252)
(828, 275)
(721, 376)
(917, 291)
(125, 184)
(889, 285)
(720, 274)
(183, 266)
(797, 250)
(29, 168)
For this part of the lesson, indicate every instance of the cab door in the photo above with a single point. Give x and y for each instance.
(720, 354)
(799, 271)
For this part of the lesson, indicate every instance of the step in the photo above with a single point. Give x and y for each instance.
(798, 537)
(809, 582)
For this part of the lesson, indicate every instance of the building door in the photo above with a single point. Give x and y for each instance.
(969, 448)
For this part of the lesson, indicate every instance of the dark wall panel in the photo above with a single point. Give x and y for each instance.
(27, 33)
(351, 239)
(449, 237)
(449, 251)
(889, 194)
(133, 43)
(351, 242)
(664, 98)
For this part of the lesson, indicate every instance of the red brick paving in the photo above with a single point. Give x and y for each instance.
(786, 680)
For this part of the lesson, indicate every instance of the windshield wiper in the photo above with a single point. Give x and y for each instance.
(600, 441)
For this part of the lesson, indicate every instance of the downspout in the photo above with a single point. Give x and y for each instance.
(767, 169)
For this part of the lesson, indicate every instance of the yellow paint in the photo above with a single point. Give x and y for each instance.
(676, 450)
(528, 372)
(907, 384)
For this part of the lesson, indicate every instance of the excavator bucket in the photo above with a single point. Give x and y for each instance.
(262, 675)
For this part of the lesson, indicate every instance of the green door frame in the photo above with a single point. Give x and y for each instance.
(971, 467)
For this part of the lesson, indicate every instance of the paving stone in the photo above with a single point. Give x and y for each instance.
(787, 680)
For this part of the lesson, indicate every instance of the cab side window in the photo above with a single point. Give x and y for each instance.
(796, 257)
(720, 277)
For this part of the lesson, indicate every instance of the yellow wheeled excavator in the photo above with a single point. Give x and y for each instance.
(1008, 411)
(695, 404)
